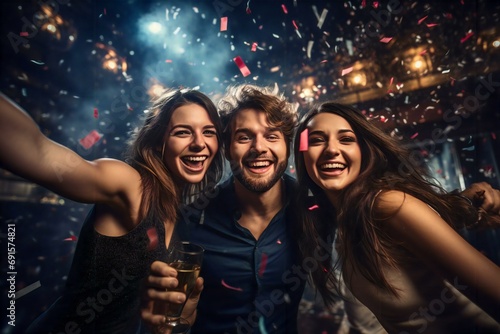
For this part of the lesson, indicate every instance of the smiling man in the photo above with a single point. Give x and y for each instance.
(253, 280)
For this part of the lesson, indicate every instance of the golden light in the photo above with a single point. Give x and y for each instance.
(110, 60)
(155, 90)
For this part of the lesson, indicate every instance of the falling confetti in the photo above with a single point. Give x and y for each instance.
(284, 9)
(469, 35)
(89, 140)
(386, 39)
(71, 238)
(314, 207)
(24, 34)
(309, 48)
(223, 23)
(224, 284)
(241, 65)
(322, 18)
(254, 47)
(153, 238)
(28, 289)
(415, 135)
(96, 113)
(422, 19)
(346, 71)
(304, 141)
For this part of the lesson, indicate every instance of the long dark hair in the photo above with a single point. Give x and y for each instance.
(387, 164)
(160, 195)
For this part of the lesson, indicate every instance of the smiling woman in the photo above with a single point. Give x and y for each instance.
(175, 153)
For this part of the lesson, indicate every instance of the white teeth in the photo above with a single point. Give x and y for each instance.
(333, 165)
(259, 164)
(195, 158)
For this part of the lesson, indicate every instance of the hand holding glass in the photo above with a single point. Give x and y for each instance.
(186, 259)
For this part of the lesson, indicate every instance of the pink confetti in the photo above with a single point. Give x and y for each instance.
(469, 35)
(96, 113)
(278, 242)
(391, 81)
(89, 140)
(254, 47)
(153, 238)
(363, 4)
(223, 23)
(430, 25)
(263, 264)
(386, 39)
(224, 284)
(295, 25)
(314, 207)
(347, 70)
(284, 8)
(23, 33)
(422, 52)
(375, 4)
(241, 65)
(168, 60)
(422, 19)
(304, 141)
(414, 135)
(71, 238)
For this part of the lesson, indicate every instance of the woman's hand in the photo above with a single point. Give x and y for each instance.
(486, 197)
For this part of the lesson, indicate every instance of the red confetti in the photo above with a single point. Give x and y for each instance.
(89, 140)
(263, 264)
(278, 242)
(375, 4)
(469, 35)
(96, 113)
(414, 135)
(430, 25)
(223, 23)
(71, 238)
(422, 19)
(363, 4)
(314, 207)
(224, 284)
(241, 65)
(153, 238)
(386, 39)
(23, 33)
(284, 8)
(254, 47)
(304, 141)
(295, 25)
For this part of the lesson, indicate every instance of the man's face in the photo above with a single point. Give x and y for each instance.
(257, 152)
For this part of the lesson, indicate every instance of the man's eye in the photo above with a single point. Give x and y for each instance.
(243, 138)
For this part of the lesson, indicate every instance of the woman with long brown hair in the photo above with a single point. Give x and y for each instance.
(173, 155)
(397, 242)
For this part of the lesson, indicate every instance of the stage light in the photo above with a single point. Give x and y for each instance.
(155, 27)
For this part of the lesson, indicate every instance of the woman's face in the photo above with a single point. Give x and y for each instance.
(190, 143)
(333, 160)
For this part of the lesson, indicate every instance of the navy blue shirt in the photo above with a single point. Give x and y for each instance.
(251, 286)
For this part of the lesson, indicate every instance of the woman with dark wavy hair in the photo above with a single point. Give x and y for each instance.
(398, 248)
(175, 154)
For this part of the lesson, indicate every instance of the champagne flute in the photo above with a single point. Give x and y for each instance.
(186, 258)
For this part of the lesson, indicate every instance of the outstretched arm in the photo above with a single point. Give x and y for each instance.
(25, 151)
(429, 237)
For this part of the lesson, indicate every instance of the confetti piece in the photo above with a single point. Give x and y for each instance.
(295, 25)
(96, 113)
(71, 238)
(28, 289)
(263, 264)
(304, 141)
(89, 140)
(248, 10)
(493, 135)
(347, 70)
(309, 48)
(322, 18)
(314, 207)
(254, 47)
(430, 25)
(469, 35)
(284, 9)
(375, 4)
(470, 148)
(386, 39)
(104, 11)
(241, 65)
(363, 4)
(414, 135)
(153, 238)
(223, 23)
(422, 19)
(224, 284)
(24, 34)
(278, 242)
(262, 326)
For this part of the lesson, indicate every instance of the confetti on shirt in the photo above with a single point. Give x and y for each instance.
(241, 65)
(263, 264)
(223, 23)
(153, 238)
(304, 141)
(89, 140)
(224, 284)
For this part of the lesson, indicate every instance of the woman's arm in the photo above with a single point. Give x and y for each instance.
(425, 234)
(25, 151)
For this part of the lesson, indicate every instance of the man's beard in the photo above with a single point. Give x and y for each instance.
(258, 185)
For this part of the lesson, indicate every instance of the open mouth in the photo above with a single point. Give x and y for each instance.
(332, 166)
(194, 162)
(259, 166)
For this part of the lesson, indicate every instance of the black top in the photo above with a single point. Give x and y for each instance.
(102, 291)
